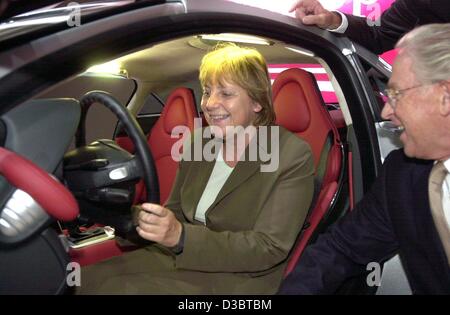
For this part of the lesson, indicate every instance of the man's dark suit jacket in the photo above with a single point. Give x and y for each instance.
(394, 216)
(396, 21)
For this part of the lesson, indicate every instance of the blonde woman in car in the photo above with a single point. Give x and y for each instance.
(229, 224)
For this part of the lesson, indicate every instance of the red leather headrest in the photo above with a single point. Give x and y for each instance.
(177, 111)
(299, 107)
(294, 93)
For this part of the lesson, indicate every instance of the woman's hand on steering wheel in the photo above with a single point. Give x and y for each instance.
(159, 224)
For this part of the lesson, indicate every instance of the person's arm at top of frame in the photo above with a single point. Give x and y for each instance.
(380, 37)
(311, 12)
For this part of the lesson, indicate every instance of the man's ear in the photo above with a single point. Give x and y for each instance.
(445, 104)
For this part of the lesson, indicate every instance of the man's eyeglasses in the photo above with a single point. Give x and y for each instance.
(393, 95)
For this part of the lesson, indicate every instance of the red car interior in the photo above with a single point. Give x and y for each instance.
(300, 109)
(53, 197)
(179, 110)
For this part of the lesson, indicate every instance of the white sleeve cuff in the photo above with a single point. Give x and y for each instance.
(344, 24)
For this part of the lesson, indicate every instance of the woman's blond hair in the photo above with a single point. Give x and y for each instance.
(245, 67)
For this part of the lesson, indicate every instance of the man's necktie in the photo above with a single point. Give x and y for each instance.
(435, 182)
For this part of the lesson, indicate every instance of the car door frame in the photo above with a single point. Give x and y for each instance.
(116, 35)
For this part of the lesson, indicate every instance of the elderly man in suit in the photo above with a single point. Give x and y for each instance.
(399, 19)
(408, 208)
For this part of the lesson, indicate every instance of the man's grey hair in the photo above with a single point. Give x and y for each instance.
(429, 48)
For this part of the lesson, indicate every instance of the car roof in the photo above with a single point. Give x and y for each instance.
(32, 9)
(32, 17)
(24, 6)
(56, 40)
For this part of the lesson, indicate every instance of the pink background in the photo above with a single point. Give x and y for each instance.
(351, 7)
(355, 7)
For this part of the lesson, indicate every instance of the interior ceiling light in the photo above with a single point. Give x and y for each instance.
(301, 51)
(235, 38)
(111, 67)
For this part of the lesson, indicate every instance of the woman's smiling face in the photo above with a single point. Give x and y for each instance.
(226, 104)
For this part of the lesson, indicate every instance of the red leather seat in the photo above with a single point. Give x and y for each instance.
(299, 107)
(179, 110)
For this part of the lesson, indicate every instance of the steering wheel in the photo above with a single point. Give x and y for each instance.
(21, 213)
(138, 138)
